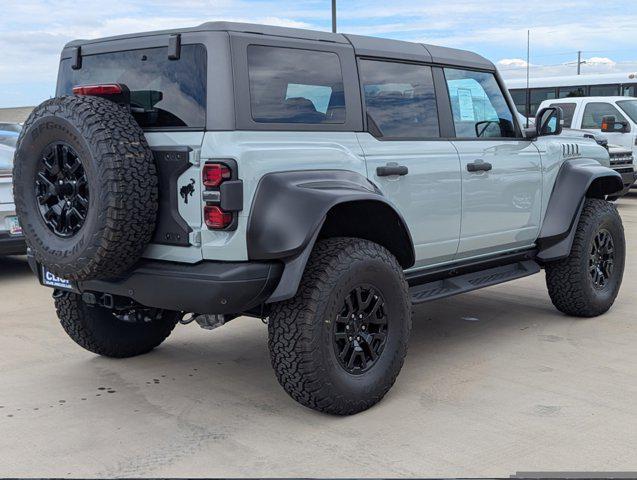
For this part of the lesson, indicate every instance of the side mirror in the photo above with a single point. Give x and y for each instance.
(548, 121)
(611, 125)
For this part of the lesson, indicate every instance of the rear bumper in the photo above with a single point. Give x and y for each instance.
(205, 287)
(12, 244)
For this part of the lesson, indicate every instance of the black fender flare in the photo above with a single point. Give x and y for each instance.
(289, 210)
(577, 179)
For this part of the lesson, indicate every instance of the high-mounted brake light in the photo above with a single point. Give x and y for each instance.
(106, 89)
(215, 173)
(216, 218)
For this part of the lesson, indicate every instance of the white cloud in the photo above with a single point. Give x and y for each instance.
(512, 62)
(600, 61)
(34, 31)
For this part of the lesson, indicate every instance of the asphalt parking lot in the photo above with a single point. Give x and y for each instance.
(495, 381)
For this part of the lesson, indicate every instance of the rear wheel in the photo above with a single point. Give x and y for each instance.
(339, 344)
(586, 283)
(114, 333)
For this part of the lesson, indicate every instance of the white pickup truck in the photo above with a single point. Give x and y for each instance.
(612, 118)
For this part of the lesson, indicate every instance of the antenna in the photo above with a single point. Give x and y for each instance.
(528, 75)
(334, 16)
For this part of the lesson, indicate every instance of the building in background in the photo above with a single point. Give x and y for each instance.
(15, 114)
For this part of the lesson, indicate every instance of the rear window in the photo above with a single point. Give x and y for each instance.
(568, 109)
(289, 85)
(164, 93)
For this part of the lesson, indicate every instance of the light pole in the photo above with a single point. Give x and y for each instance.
(334, 16)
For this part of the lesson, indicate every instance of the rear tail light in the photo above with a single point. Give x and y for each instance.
(98, 90)
(215, 173)
(216, 218)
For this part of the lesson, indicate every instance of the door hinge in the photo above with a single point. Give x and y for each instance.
(195, 238)
(195, 157)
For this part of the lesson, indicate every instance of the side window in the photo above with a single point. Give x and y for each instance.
(569, 110)
(519, 98)
(594, 112)
(538, 95)
(479, 108)
(566, 92)
(289, 85)
(604, 90)
(399, 99)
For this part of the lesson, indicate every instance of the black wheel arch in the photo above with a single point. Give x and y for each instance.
(291, 210)
(577, 180)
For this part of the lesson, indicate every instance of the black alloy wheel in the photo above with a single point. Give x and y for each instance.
(601, 259)
(61, 189)
(360, 330)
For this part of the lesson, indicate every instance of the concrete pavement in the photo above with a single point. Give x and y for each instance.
(496, 381)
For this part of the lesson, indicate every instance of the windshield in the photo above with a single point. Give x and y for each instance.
(164, 93)
(630, 108)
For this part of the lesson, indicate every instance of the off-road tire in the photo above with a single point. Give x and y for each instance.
(121, 177)
(569, 282)
(300, 329)
(97, 330)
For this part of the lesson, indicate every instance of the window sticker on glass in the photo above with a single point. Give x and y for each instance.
(465, 101)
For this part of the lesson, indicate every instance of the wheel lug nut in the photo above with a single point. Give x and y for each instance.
(346, 327)
(363, 327)
(358, 339)
(360, 315)
(351, 338)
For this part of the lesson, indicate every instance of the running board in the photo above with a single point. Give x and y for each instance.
(427, 292)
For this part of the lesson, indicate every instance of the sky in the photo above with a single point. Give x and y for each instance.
(32, 32)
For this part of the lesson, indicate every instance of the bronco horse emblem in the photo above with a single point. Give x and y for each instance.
(187, 190)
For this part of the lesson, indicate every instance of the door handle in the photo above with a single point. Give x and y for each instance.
(391, 169)
(479, 166)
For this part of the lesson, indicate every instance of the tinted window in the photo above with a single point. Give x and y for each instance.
(594, 112)
(630, 108)
(604, 90)
(479, 108)
(519, 99)
(164, 93)
(566, 92)
(569, 110)
(629, 90)
(538, 95)
(399, 99)
(289, 85)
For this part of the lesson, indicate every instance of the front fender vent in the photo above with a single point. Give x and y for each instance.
(570, 150)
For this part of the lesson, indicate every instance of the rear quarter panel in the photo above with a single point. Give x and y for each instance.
(260, 152)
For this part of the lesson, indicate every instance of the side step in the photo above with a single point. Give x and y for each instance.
(427, 292)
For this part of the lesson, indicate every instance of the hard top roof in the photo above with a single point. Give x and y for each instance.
(363, 45)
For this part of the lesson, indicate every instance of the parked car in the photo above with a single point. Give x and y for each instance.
(9, 133)
(11, 237)
(322, 182)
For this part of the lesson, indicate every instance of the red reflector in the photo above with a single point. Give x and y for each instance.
(214, 174)
(216, 218)
(107, 89)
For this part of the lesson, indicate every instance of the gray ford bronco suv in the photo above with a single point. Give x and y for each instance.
(323, 182)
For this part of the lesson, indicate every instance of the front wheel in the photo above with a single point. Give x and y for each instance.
(586, 283)
(339, 344)
(114, 333)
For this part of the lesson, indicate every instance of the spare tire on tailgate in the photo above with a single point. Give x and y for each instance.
(85, 187)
